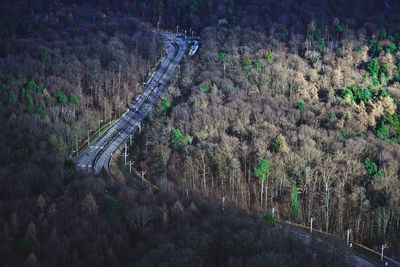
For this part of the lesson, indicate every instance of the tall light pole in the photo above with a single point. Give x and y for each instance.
(349, 231)
(126, 150)
(111, 112)
(100, 121)
(130, 166)
(128, 98)
(88, 137)
(77, 146)
(143, 173)
(382, 248)
(311, 222)
(119, 111)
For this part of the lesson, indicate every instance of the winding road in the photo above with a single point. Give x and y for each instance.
(99, 154)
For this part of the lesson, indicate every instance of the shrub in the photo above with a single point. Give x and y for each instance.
(356, 94)
(32, 86)
(366, 95)
(61, 97)
(344, 134)
(166, 105)
(46, 56)
(340, 27)
(12, 99)
(301, 106)
(179, 140)
(371, 169)
(375, 48)
(29, 103)
(373, 68)
(397, 77)
(41, 109)
(259, 64)
(269, 57)
(338, 51)
(247, 63)
(205, 88)
(346, 116)
(74, 100)
(383, 132)
(394, 122)
(332, 117)
(223, 57)
(347, 95)
(280, 144)
(322, 44)
(389, 128)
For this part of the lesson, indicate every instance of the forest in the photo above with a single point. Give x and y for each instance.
(305, 108)
(291, 106)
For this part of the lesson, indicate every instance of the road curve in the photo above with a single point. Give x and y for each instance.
(99, 154)
(361, 262)
(306, 238)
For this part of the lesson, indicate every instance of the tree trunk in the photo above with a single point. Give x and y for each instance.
(266, 194)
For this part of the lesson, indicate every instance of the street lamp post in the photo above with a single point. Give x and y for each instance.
(349, 231)
(77, 146)
(382, 248)
(126, 150)
(119, 110)
(130, 166)
(312, 221)
(88, 137)
(142, 174)
(100, 121)
(129, 98)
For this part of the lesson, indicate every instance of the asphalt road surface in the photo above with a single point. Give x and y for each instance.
(99, 154)
(361, 262)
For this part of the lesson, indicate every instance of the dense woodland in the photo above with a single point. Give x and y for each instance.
(63, 72)
(279, 109)
(95, 224)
